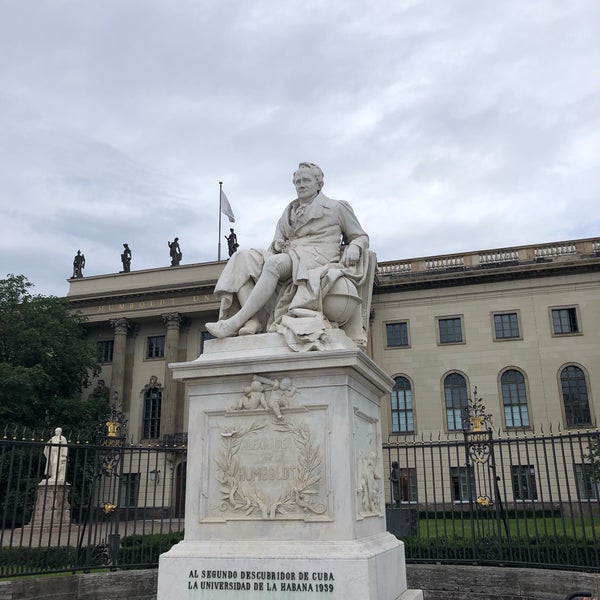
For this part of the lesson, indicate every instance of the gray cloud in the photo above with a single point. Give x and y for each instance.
(449, 126)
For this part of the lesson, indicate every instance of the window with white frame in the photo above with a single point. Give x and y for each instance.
(565, 321)
(506, 326)
(450, 330)
(104, 351)
(514, 399)
(130, 489)
(397, 334)
(523, 482)
(587, 481)
(575, 396)
(155, 347)
(455, 398)
(462, 480)
(152, 411)
(402, 406)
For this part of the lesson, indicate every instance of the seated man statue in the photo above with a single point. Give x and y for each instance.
(308, 279)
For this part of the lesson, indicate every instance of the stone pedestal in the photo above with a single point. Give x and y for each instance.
(52, 510)
(285, 480)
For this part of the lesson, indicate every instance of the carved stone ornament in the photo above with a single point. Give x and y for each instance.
(267, 394)
(243, 488)
(267, 466)
(369, 486)
(120, 325)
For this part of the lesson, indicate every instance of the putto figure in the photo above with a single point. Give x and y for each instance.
(307, 280)
(175, 252)
(78, 265)
(126, 259)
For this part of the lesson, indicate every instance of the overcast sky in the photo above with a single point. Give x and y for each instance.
(449, 125)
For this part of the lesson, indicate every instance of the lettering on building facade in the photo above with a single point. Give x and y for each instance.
(154, 303)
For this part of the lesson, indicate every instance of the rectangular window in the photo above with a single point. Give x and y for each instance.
(104, 351)
(130, 489)
(152, 411)
(156, 346)
(397, 334)
(402, 407)
(588, 485)
(462, 480)
(564, 321)
(523, 482)
(506, 326)
(450, 330)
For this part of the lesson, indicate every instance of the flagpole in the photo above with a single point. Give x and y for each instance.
(220, 211)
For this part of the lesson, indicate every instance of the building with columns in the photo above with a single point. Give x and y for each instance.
(522, 324)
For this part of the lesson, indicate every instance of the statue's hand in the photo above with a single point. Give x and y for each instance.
(351, 255)
(280, 245)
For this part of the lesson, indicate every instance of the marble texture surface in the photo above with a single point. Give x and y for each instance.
(285, 479)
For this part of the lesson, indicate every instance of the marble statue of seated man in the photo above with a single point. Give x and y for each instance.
(309, 278)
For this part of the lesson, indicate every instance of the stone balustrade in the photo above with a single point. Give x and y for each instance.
(559, 251)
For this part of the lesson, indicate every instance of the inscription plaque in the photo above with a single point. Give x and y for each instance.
(265, 467)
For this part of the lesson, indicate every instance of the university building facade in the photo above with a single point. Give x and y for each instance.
(521, 324)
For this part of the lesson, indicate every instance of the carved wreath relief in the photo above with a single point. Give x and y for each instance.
(269, 462)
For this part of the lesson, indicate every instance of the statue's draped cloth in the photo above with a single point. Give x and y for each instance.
(313, 236)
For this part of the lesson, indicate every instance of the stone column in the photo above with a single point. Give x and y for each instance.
(117, 379)
(169, 399)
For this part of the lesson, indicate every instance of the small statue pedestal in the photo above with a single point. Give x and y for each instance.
(285, 481)
(52, 509)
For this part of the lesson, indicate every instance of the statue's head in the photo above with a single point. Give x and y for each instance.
(58, 431)
(315, 171)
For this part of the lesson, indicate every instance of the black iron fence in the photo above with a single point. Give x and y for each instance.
(479, 497)
(108, 505)
(474, 497)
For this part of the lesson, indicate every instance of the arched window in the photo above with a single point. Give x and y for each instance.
(402, 406)
(514, 399)
(455, 395)
(152, 407)
(575, 396)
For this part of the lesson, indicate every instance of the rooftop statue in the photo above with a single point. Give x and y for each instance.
(311, 278)
(175, 252)
(78, 265)
(126, 259)
(232, 243)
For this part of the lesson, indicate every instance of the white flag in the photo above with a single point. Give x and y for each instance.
(226, 207)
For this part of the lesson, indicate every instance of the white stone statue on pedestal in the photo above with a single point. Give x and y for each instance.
(312, 277)
(55, 453)
(284, 494)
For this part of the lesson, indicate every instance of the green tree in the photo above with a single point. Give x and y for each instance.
(45, 360)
